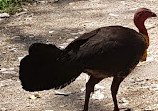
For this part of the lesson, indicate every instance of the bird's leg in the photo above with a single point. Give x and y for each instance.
(90, 88)
(114, 89)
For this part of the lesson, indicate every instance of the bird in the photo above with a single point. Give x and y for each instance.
(110, 51)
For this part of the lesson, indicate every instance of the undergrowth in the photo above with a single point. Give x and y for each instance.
(12, 6)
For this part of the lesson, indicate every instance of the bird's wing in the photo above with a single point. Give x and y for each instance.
(100, 53)
(110, 56)
(114, 48)
(74, 45)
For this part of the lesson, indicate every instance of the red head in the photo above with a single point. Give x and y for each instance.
(139, 18)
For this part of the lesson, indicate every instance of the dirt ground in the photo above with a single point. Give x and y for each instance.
(60, 23)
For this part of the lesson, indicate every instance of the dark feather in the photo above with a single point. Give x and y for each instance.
(42, 68)
(108, 50)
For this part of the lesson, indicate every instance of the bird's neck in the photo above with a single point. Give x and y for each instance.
(142, 29)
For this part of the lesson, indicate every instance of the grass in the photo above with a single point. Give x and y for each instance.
(12, 6)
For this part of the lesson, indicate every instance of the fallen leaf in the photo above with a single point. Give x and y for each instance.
(37, 95)
(34, 96)
(21, 13)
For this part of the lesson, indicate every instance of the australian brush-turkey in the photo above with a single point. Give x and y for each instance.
(104, 52)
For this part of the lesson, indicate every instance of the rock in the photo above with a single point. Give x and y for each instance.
(123, 2)
(82, 97)
(113, 15)
(11, 69)
(20, 58)
(50, 32)
(42, 2)
(28, 18)
(149, 59)
(3, 69)
(4, 15)
(152, 108)
(31, 36)
(3, 109)
(124, 102)
(83, 89)
(4, 52)
(25, 10)
(62, 106)
(9, 72)
(76, 37)
(98, 95)
(97, 86)
(62, 93)
(62, 46)
(5, 83)
(69, 40)
(154, 87)
(74, 33)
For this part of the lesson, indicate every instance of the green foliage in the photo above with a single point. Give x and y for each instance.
(12, 6)
(8, 3)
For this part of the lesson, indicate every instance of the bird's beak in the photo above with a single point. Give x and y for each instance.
(153, 14)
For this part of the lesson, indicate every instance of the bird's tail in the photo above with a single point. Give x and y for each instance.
(46, 67)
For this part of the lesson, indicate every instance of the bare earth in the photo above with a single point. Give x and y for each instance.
(60, 23)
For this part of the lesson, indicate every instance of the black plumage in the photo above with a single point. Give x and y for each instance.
(104, 52)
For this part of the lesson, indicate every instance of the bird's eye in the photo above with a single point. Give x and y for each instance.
(145, 12)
